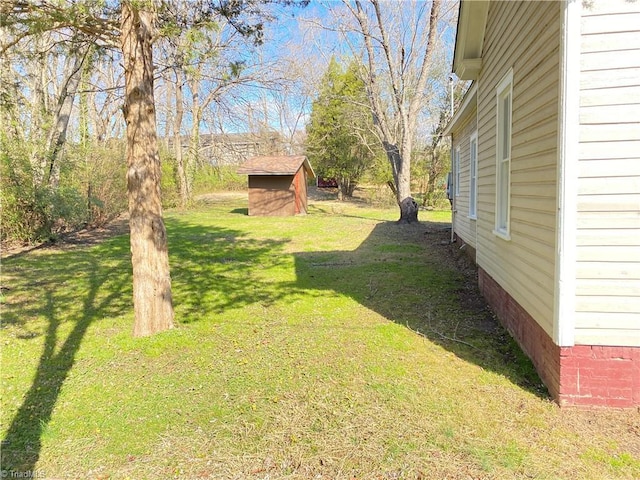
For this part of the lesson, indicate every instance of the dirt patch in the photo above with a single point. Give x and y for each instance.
(84, 237)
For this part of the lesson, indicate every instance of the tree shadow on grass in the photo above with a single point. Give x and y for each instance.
(49, 286)
(240, 211)
(407, 277)
(215, 269)
(407, 273)
(57, 296)
(412, 276)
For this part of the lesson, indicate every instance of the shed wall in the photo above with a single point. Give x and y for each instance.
(300, 191)
(271, 195)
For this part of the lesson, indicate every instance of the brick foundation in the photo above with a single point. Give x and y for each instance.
(582, 375)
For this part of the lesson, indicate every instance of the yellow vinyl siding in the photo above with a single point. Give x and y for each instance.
(605, 61)
(464, 226)
(604, 114)
(608, 252)
(600, 203)
(610, 187)
(626, 237)
(622, 20)
(610, 96)
(608, 270)
(608, 236)
(601, 303)
(609, 133)
(603, 79)
(600, 253)
(523, 36)
(600, 43)
(600, 221)
(599, 336)
(609, 150)
(609, 288)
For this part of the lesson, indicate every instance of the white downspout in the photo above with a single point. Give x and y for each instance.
(453, 197)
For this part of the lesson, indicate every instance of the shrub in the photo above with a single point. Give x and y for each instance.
(91, 191)
(210, 178)
(98, 170)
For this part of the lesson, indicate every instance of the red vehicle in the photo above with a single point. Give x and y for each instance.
(322, 182)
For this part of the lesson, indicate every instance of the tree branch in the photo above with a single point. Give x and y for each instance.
(37, 16)
(374, 94)
(393, 69)
(434, 17)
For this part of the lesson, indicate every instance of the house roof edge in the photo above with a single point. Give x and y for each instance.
(472, 22)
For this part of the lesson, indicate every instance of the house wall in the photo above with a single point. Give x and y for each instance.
(464, 226)
(583, 375)
(524, 36)
(271, 195)
(608, 236)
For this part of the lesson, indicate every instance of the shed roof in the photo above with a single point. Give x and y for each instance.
(276, 165)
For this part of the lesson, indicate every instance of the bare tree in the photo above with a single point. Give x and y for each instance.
(285, 103)
(61, 115)
(203, 64)
(398, 44)
(104, 92)
(48, 71)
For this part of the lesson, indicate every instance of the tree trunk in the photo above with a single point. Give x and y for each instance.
(401, 167)
(194, 139)
(408, 211)
(193, 157)
(58, 133)
(177, 143)
(152, 300)
(37, 71)
(434, 171)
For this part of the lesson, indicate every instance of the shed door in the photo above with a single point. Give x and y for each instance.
(300, 188)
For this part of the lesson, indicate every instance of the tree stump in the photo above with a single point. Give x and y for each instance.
(408, 211)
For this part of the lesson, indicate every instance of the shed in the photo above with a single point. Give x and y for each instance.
(277, 184)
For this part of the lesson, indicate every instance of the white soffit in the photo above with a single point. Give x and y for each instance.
(472, 20)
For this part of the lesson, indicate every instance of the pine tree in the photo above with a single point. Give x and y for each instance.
(339, 130)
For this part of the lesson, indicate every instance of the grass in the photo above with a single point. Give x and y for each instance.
(336, 345)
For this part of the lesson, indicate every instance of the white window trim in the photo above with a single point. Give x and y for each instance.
(504, 84)
(473, 175)
(456, 174)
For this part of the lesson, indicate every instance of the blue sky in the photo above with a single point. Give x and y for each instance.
(305, 34)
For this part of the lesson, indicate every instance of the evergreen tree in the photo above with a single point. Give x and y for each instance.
(340, 128)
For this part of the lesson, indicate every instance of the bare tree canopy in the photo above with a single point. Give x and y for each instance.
(398, 43)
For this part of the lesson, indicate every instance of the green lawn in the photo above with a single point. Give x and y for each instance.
(337, 345)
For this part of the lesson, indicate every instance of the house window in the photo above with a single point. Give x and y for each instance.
(504, 95)
(473, 175)
(456, 170)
